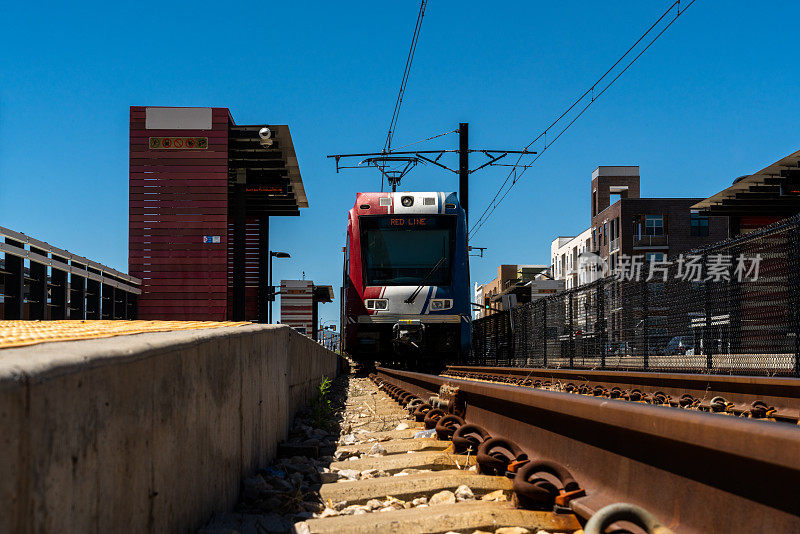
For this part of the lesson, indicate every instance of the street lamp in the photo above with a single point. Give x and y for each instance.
(273, 254)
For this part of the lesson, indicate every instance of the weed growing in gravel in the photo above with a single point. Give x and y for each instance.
(322, 409)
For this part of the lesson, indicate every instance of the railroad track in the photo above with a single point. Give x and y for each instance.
(767, 398)
(392, 474)
(411, 452)
(696, 471)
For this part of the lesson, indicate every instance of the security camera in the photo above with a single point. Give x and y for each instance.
(266, 136)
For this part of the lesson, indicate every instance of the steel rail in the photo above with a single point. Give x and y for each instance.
(780, 392)
(697, 472)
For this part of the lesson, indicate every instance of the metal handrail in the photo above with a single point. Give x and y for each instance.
(61, 254)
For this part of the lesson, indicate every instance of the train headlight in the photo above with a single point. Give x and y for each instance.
(407, 201)
(441, 304)
(377, 304)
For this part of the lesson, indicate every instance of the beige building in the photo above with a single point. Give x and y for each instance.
(568, 259)
(515, 284)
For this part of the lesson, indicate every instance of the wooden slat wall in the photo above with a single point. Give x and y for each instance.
(250, 271)
(177, 197)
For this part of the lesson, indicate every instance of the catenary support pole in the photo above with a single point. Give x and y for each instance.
(463, 168)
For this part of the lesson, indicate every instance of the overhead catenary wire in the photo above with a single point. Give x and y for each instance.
(505, 188)
(409, 60)
(428, 139)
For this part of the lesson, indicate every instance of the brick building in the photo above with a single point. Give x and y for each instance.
(625, 224)
(650, 227)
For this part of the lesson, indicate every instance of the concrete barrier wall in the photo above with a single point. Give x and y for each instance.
(149, 432)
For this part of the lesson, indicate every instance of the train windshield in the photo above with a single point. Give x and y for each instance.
(407, 250)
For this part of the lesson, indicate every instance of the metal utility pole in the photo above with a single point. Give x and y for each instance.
(272, 292)
(463, 168)
(264, 261)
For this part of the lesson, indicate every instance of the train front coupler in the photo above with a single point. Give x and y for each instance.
(408, 335)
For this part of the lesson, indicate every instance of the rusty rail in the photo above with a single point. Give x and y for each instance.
(739, 392)
(697, 472)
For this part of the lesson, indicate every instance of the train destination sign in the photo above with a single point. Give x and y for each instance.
(409, 221)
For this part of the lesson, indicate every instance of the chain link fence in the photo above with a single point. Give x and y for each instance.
(683, 314)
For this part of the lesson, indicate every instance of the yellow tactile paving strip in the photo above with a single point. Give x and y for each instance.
(20, 333)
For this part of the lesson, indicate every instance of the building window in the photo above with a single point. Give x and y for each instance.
(699, 225)
(654, 225)
(653, 256)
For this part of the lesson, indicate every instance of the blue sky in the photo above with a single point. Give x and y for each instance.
(713, 99)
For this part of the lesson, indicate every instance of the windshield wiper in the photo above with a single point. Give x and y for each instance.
(413, 296)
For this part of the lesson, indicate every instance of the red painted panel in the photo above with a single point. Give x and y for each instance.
(180, 237)
(177, 197)
(179, 179)
(191, 157)
(188, 203)
(179, 262)
(176, 218)
(152, 273)
(165, 191)
(203, 167)
(177, 246)
(146, 134)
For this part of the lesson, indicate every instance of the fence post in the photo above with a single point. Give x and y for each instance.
(544, 332)
(793, 279)
(734, 309)
(645, 324)
(511, 340)
(707, 329)
(601, 333)
(571, 331)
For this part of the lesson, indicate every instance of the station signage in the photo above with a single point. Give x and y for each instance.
(269, 189)
(208, 239)
(178, 143)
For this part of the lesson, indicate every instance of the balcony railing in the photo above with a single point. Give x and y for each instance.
(614, 245)
(650, 241)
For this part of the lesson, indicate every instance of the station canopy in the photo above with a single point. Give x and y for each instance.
(774, 190)
(271, 174)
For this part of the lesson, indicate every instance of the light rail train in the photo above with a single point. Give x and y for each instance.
(406, 279)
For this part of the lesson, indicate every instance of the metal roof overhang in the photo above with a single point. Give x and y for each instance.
(272, 174)
(774, 190)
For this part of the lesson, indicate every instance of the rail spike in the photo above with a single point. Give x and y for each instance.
(500, 456)
(432, 417)
(446, 426)
(469, 437)
(637, 515)
(537, 492)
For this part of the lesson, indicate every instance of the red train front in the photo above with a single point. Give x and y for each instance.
(406, 279)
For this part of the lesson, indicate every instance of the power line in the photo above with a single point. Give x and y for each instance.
(503, 191)
(409, 60)
(428, 139)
